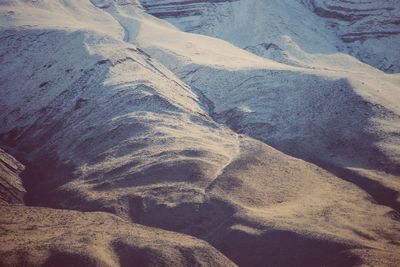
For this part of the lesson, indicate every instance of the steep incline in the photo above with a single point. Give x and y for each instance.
(48, 237)
(107, 102)
(328, 112)
(343, 116)
(288, 31)
(128, 114)
(369, 29)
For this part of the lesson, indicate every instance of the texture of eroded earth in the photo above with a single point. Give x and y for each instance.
(199, 133)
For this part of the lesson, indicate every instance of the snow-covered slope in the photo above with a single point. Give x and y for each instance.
(329, 114)
(118, 111)
(370, 30)
(295, 31)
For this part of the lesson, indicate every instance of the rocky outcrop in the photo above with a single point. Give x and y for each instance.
(11, 189)
(369, 29)
(176, 9)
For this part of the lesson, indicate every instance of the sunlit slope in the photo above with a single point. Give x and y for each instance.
(120, 112)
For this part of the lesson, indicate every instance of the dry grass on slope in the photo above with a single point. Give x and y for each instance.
(47, 237)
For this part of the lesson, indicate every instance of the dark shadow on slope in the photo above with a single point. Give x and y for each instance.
(43, 178)
(135, 256)
(186, 170)
(380, 193)
(44, 128)
(71, 259)
(196, 219)
(336, 131)
(283, 248)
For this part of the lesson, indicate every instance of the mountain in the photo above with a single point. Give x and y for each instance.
(251, 125)
(295, 31)
(369, 29)
(34, 236)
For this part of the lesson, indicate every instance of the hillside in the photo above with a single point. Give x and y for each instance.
(257, 132)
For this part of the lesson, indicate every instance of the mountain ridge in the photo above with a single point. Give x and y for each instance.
(119, 112)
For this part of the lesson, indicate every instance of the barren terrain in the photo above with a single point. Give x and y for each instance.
(199, 133)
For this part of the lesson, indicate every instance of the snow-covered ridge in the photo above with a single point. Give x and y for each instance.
(168, 8)
(121, 112)
(288, 31)
(369, 29)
